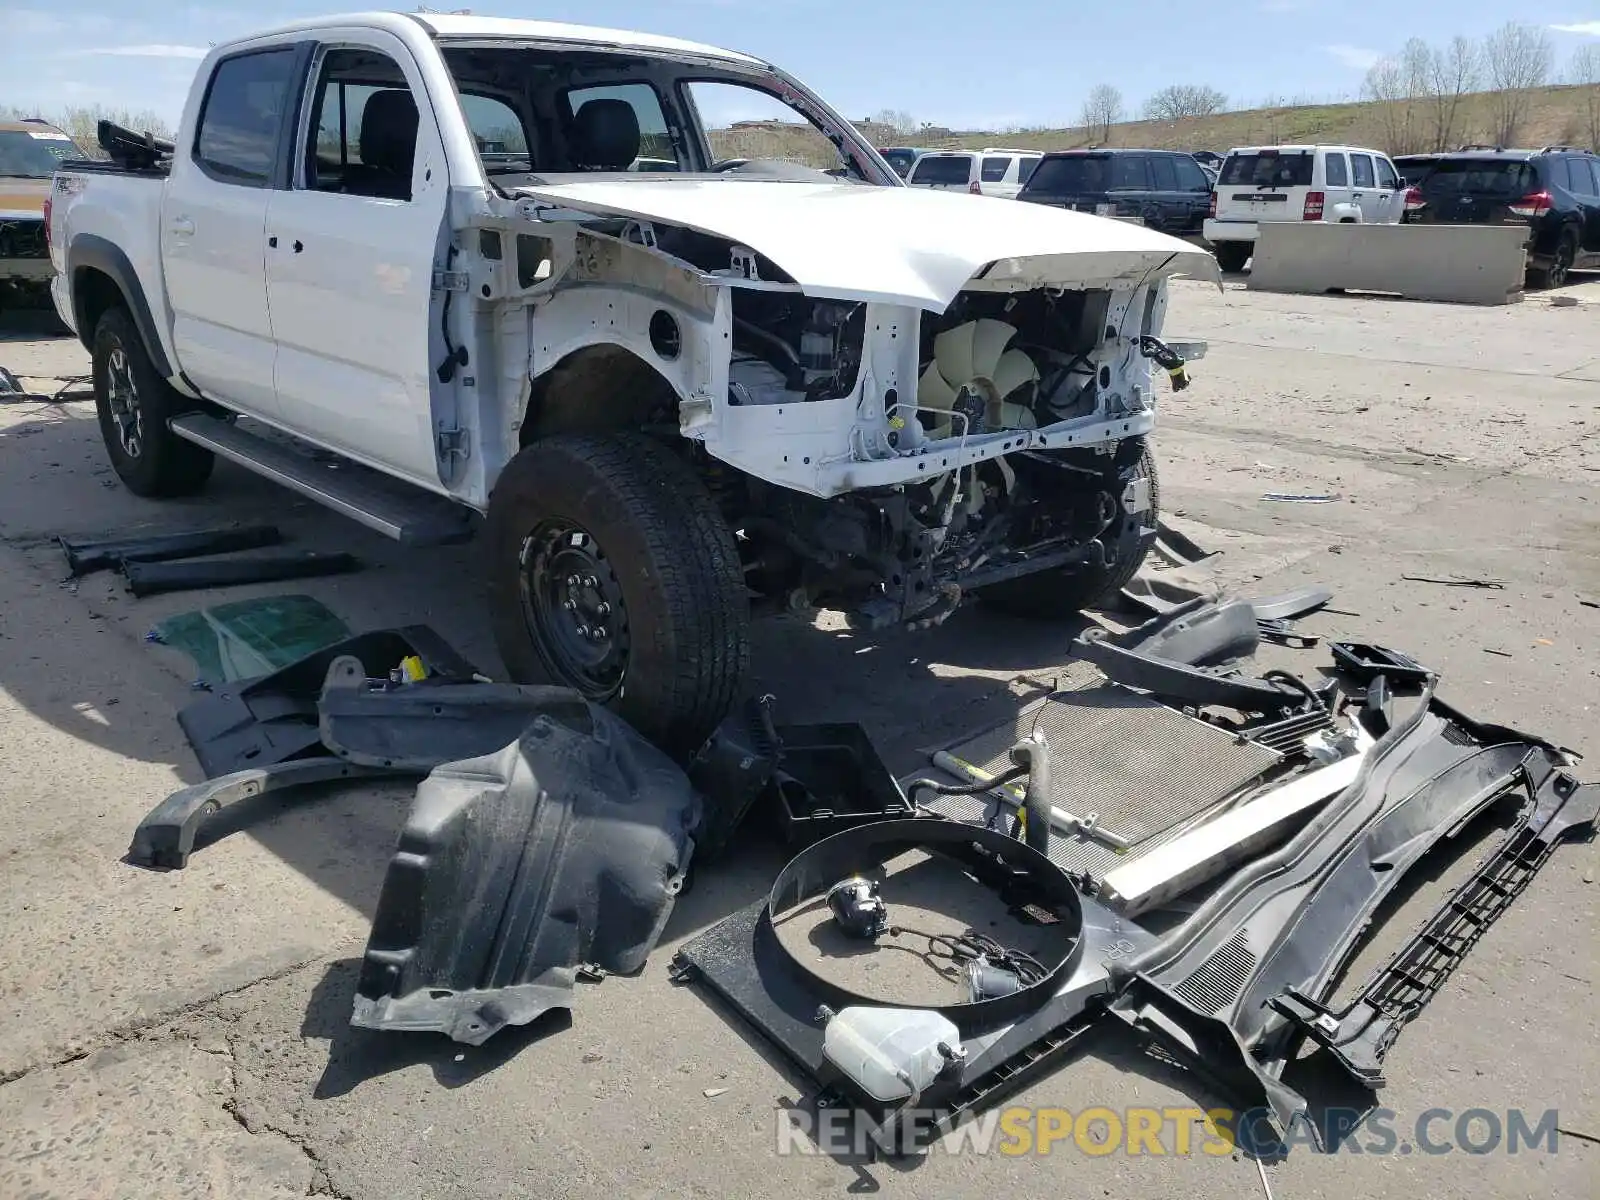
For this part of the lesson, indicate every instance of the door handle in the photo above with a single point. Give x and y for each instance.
(182, 226)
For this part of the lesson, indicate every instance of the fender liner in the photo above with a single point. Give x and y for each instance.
(91, 251)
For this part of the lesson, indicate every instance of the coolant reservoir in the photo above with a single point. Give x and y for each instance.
(891, 1053)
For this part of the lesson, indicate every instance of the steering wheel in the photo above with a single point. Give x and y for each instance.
(729, 164)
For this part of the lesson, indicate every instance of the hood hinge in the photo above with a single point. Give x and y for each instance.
(451, 442)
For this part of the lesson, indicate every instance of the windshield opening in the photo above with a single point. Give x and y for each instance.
(33, 154)
(542, 113)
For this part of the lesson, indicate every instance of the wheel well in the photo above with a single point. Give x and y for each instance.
(93, 293)
(598, 389)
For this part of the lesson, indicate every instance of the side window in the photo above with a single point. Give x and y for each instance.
(1361, 166)
(1026, 168)
(244, 111)
(1593, 166)
(497, 130)
(1557, 173)
(1163, 175)
(1128, 173)
(1190, 177)
(994, 168)
(620, 127)
(1336, 169)
(1387, 179)
(365, 139)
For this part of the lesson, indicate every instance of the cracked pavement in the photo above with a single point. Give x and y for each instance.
(186, 1034)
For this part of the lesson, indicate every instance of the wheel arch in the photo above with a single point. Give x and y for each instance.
(101, 277)
(598, 387)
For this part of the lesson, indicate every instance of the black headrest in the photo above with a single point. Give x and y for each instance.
(389, 131)
(605, 135)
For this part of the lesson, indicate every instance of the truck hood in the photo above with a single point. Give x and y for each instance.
(891, 245)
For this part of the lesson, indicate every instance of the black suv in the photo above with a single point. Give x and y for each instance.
(1555, 191)
(1166, 188)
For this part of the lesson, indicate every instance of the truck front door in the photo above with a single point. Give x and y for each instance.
(213, 218)
(351, 246)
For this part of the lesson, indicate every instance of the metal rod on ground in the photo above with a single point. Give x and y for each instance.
(1060, 821)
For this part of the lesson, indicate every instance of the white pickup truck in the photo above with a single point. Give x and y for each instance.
(500, 268)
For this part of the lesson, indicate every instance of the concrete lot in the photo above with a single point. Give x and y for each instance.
(187, 1033)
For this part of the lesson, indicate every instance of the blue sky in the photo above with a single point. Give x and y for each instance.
(964, 64)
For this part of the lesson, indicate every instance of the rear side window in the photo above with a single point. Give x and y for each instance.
(994, 169)
(1025, 169)
(1267, 168)
(1337, 170)
(1386, 176)
(1559, 175)
(1361, 168)
(1128, 173)
(1190, 177)
(1163, 175)
(1591, 168)
(244, 112)
(942, 168)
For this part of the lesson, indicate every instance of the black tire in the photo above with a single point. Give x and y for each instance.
(134, 404)
(1061, 593)
(657, 625)
(1555, 275)
(1232, 256)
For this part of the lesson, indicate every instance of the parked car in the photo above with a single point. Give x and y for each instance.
(30, 151)
(1555, 191)
(1209, 159)
(901, 158)
(663, 398)
(1168, 189)
(992, 172)
(1298, 183)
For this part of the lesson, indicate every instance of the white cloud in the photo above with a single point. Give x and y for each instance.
(1357, 58)
(152, 50)
(1587, 28)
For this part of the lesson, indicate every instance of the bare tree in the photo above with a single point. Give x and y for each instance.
(1101, 111)
(1584, 70)
(1518, 58)
(81, 122)
(1454, 71)
(896, 119)
(1184, 100)
(1388, 87)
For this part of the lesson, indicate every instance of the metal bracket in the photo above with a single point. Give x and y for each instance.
(743, 261)
(1136, 497)
(450, 281)
(645, 230)
(452, 443)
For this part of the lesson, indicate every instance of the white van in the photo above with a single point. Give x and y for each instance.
(994, 171)
(1298, 183)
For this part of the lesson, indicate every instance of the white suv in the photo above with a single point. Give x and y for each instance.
(989, 172)
(1298, 183)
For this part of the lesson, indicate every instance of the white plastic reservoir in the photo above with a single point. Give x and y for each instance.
(891, 1053)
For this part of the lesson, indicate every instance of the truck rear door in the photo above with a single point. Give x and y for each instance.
(351, 247)
(213, 221)
(1475, 191)
(1264, 185)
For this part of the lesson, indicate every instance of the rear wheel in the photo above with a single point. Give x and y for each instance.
(614, 573)
(1232, 256)
(1066, 590)
(1555, 275)
(134, 404)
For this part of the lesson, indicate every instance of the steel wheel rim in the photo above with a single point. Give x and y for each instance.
(572, 605)
(122, 400)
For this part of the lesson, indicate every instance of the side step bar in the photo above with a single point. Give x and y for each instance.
(395, 509)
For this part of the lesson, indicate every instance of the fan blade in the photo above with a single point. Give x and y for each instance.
(989, 342)
(1014, 369)
(933, 391)
(952, 353)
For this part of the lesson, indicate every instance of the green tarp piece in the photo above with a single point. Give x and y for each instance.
(251, 637)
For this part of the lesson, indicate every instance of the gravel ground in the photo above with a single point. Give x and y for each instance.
(186, 1034)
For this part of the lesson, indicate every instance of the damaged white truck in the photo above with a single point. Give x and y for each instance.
(530, 272)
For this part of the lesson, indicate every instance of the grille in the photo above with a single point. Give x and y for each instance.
(1217, 984)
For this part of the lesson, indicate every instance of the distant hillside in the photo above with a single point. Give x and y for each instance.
(1556, 115)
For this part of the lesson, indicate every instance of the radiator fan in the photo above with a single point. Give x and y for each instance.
(972, 372)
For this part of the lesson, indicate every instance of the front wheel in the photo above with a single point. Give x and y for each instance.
(1232, 256)
(614, 573)
(1068, 590)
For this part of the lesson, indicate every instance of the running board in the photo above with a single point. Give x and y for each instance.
(397, 510)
